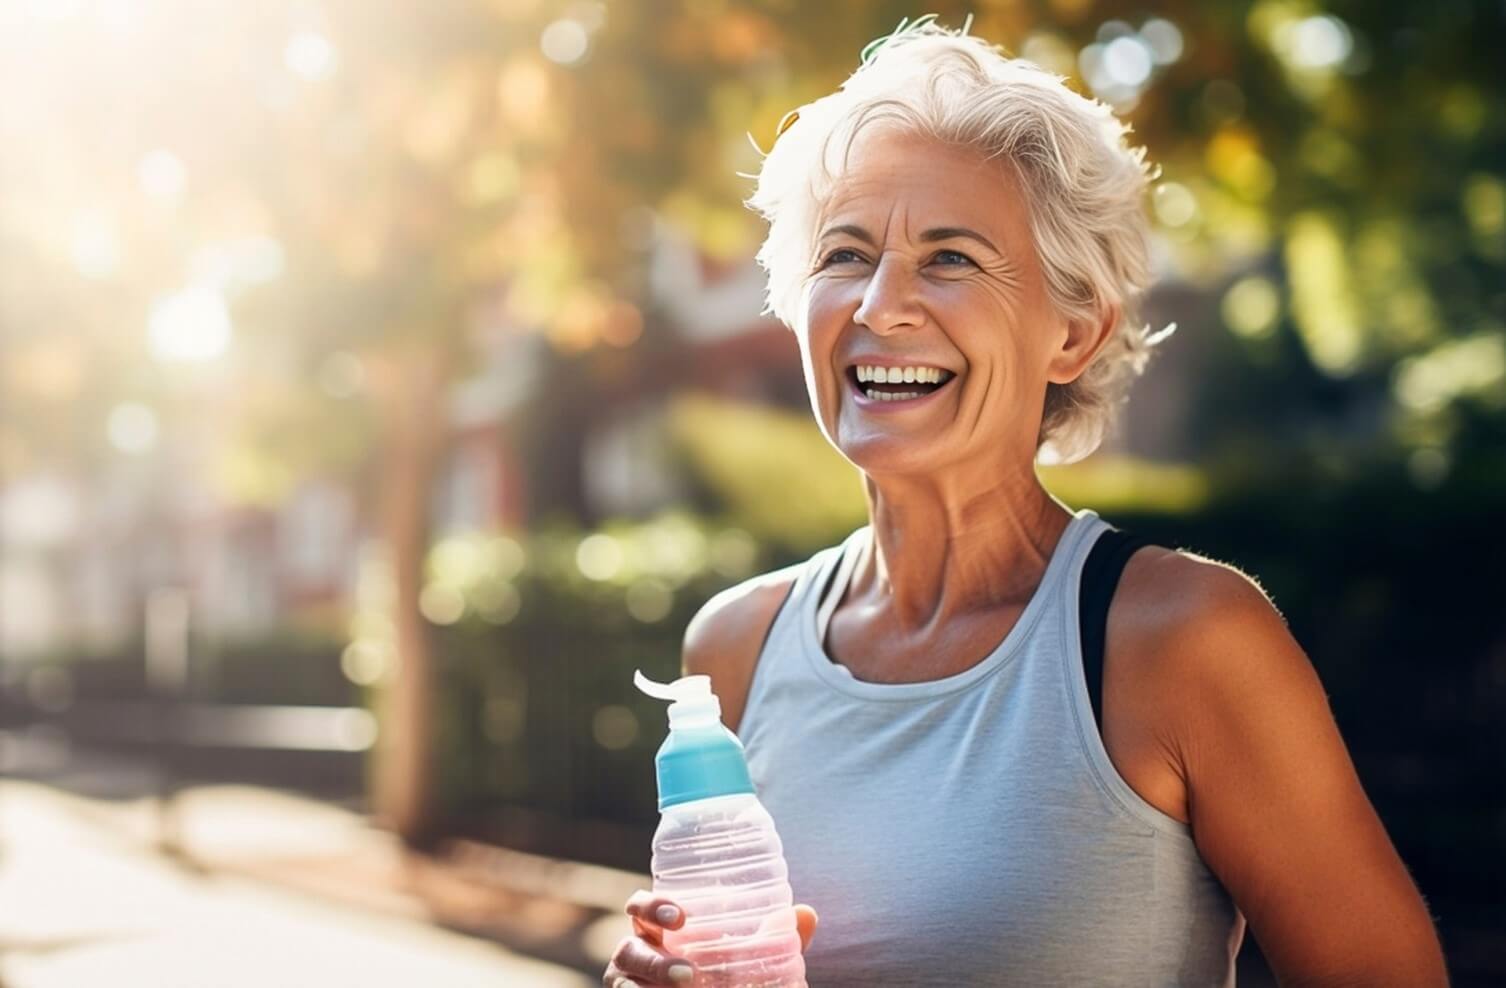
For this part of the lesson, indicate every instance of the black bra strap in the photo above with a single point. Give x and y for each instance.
(1100, 577)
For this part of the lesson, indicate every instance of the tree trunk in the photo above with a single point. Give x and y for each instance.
(413, 398)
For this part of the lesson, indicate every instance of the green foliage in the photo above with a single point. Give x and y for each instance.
(776, 473)
(284, 666)
(287, 666)
(538, 709)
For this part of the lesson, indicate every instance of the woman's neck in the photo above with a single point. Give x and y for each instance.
(934, 558)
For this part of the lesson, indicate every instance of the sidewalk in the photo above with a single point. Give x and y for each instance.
(259, 887)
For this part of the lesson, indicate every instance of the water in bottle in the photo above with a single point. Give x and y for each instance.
(716, 852)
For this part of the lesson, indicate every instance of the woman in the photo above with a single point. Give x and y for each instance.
(1002, 746)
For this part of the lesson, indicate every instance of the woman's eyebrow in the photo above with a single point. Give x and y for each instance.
(851, 230)
(929, 236)
(952, 232)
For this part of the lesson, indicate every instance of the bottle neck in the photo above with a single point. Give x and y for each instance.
(695, 713)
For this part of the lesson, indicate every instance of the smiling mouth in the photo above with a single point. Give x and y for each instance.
(906, 391)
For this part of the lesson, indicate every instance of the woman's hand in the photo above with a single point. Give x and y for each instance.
(642, 960)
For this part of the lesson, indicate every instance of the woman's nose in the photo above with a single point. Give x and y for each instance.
(890, 298)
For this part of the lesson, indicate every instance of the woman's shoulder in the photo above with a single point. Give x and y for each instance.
(1175, 612)
(1177, 625)
(726, 635)
(1167, 593)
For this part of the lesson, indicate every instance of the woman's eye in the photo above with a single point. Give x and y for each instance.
(952, 257)
(840, 255)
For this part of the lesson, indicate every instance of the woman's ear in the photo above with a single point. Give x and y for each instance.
(1083, 339)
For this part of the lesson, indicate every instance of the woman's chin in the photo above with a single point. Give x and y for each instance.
(878, 454)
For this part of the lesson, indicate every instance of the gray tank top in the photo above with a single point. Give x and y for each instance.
(972, 830)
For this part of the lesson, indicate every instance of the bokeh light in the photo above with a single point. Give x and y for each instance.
(132, 427)
(191, 326)
(162, 175)
(1251, 306)
(564, 41)
(311, 56)
(1318, 42)
(599, 557)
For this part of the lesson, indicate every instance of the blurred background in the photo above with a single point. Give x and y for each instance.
(381, 383)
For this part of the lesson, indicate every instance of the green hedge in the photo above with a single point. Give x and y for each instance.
(540, 712)
(284, 666)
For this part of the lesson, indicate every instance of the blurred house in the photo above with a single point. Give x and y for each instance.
(718, 343)
(81, 558)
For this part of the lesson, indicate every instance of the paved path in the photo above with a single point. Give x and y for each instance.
(86, 898)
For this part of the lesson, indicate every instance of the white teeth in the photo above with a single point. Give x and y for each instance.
(899, 375)
(886, 396)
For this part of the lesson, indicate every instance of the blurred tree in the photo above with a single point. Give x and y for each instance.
(286, 230)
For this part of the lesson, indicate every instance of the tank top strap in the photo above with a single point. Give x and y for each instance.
(781, 663)
(835, 582)
(1100, 578)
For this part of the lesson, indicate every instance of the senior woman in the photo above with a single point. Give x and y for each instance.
(1004, 742)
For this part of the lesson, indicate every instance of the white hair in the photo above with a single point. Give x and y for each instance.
(1084, 188)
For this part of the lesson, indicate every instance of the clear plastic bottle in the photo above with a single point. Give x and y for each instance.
(716, 851)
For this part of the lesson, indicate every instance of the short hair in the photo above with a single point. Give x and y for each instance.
(1084, 189)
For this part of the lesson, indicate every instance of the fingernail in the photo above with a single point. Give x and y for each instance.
(667, 914)
(680, 974)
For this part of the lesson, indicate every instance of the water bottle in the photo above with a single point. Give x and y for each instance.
(716, 852)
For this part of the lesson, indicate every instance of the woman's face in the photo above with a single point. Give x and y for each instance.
(924, 257)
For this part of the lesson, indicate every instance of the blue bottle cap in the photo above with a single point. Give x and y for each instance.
(700, 758)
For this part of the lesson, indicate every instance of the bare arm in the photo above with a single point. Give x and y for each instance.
(1276, 806)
